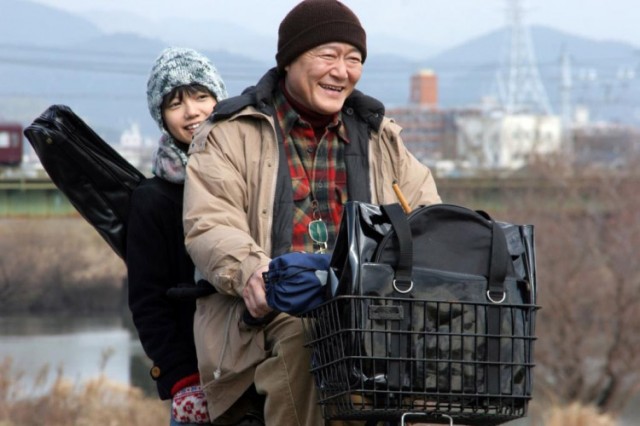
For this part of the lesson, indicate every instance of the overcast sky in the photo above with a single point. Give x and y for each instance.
(442, 23)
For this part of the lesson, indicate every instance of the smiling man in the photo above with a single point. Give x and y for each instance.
(268, 174)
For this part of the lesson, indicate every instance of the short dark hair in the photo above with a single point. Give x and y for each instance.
(181, 91)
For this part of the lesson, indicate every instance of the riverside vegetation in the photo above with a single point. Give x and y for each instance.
(587, 353)
(98, 401)
(58, 265)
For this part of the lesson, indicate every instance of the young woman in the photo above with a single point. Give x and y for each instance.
(182, 90)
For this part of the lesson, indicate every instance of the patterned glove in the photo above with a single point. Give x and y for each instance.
(189, 405)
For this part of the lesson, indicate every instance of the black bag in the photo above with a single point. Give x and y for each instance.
(434, 313)
(94, 177)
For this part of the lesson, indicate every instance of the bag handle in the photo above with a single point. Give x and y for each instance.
(496, 292)
(498, 263)
(403, 284)
(403, 281)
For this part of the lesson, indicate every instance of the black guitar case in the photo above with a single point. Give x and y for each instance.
(90, 173)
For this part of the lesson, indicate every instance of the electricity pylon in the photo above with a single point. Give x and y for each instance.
(519, 86)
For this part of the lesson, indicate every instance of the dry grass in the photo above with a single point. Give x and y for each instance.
(97, 401)
(577, 415)
(57, 264)
(105, 402)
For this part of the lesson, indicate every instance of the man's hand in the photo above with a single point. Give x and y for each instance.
(255, 294)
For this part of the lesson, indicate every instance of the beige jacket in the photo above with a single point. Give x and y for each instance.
(230, 187)
(228, 204)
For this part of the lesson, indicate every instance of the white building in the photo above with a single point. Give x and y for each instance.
(136, 149)
(498, 141)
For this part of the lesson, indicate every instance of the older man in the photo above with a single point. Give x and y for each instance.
(287, 153)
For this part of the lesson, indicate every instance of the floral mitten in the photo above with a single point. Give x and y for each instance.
(189, 405)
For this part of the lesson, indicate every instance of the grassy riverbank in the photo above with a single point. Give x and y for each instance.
(57, 265)
(587, 235)
(98, 401)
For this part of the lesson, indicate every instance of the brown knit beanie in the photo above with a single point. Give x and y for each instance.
(315, 22)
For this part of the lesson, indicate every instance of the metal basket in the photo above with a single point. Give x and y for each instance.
(368, 366)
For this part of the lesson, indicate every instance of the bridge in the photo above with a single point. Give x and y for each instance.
(41, 198)
(33, 197)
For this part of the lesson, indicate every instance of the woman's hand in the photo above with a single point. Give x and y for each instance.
(189, 405)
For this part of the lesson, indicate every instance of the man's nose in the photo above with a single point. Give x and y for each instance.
(340, 68)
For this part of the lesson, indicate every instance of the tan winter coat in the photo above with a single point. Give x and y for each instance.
(229, 193)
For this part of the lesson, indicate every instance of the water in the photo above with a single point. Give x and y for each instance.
(78, 348)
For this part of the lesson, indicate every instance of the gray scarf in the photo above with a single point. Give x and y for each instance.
(169, 161)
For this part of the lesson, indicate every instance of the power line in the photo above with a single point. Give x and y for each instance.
(73, 51)
(97, 96)
(67, 64)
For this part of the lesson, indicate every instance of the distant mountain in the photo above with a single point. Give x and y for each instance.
(602, 71)
(102, 75)
(196, 33)
(215, 34)
(28, 23)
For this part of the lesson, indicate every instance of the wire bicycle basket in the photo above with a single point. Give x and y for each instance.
(368, 364)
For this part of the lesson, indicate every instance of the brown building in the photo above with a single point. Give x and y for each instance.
(424, 89)
(428, 132)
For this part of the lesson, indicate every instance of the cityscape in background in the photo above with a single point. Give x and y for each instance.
(503, 131)
(527, 124)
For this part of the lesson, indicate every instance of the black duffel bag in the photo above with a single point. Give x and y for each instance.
(95, 178)
(434, 313)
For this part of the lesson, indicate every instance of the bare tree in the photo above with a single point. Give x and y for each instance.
(588, 236)
(587, 241)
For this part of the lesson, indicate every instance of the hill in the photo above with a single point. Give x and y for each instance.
(27, 23)
(67, 59)
(101, 76)
(602, 71)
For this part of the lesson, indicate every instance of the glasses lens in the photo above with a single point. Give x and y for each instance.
(318, 231)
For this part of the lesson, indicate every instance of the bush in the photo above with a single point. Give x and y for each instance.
(577, 415)
(57, 265)
(97, 401)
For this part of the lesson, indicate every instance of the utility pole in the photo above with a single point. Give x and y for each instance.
(519, 86)
(566, 86)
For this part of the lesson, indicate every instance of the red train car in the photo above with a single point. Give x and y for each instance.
(10, 144)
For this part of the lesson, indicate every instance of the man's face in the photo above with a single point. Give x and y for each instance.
(323, 77)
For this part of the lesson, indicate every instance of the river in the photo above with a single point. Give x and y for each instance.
(77, 348)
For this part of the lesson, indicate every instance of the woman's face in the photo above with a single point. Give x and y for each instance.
(184, 112)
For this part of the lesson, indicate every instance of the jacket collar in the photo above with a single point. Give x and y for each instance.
(367, 108)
